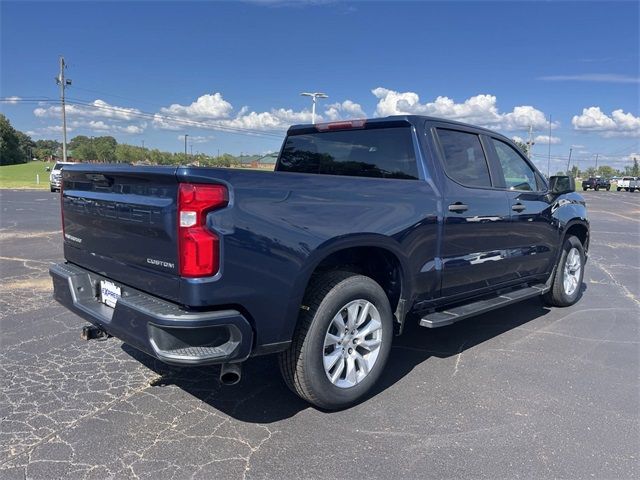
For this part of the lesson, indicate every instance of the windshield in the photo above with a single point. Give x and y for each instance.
(379, 152)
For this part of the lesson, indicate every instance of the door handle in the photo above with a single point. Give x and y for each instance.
(518, 207)
(458, 207)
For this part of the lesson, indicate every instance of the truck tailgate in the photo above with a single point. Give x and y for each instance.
(121, 222)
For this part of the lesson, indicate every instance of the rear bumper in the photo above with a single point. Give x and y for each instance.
(157, 327)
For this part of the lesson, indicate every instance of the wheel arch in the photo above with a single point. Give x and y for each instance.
(368, 254)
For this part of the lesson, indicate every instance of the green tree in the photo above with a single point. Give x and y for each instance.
(606, 171)
(635, 170)
(10, 151)
(26, 145)
(44, 149)
(522, 146)
(105, 148)
(575, 171)
(84, 151)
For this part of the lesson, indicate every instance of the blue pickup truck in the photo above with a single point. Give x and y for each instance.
(363, 226)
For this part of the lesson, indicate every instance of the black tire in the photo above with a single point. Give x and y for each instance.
(608, 188)
(302, 364)
(584, 189)
(557, 296)
(618, 189)
(53, 189)
(597, 188)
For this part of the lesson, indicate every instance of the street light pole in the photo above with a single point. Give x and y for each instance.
(314, 98)
(185, 144)
(63, 83)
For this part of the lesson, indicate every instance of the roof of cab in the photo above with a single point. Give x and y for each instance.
(407, 119)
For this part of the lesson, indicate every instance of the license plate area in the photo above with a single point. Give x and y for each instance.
(109, 293)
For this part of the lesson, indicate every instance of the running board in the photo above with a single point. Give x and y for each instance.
(452, 315)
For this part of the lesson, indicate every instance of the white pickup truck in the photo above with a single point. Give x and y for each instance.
(629, 184)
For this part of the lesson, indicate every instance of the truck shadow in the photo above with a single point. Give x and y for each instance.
(262, 396)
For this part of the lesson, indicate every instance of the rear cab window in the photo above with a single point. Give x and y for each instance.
(371, 152)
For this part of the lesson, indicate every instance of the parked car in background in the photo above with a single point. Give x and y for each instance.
(56, 175)
(596, 183)
(634, 184)
(363, 226)
(626, 183)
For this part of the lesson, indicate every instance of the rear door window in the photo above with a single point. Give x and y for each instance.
(375, 152)
(465, 161)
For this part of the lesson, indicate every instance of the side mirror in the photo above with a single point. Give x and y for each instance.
(562, 184)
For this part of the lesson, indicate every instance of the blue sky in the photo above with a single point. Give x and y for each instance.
(154, 70)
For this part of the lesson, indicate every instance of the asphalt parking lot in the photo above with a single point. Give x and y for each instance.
(523, 392)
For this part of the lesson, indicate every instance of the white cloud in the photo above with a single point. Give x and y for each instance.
(275, 119)
(11, 100)
(209, 106)
(48, 131)
(213, 111)
(102, 127)
(98, 116)
(593, 77)
(618, 124)
(96, 109)
(480, 110)
(545, 139)
(346, 109)
(520, 118)
(577, 146)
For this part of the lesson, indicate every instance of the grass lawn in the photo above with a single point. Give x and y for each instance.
(24, 175)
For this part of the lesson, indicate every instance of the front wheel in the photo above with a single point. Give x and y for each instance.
(342, 340)
(565, 289)
(619, 188)
(608, 188)
(584, 189)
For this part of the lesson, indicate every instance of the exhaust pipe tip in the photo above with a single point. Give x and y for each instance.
(230, 373)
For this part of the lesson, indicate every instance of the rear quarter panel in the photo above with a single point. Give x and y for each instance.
(279, 226)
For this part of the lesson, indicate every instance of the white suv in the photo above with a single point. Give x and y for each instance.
(56, 175)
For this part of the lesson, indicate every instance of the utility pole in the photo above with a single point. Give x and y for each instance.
(143, 144)
(569, 161)
(314, 96)
(185, 144)
(549, 159)
(60, 80)
(530, 142)
(597, 154)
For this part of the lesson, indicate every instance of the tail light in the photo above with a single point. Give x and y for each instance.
(198, 247)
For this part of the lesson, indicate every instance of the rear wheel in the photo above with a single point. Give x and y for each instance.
(565, 289)
(619, 188)
(584, 189)
(608, 188)
(597, 188)
(342, 340)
